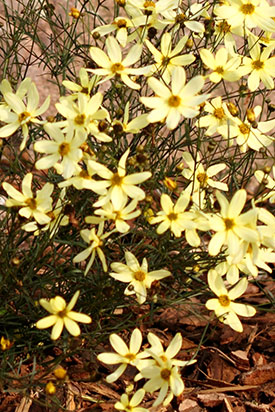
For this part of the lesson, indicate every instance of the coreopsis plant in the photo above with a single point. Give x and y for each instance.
(167, 59)
(95, 240)
(260, 66)
(124, 355)
(182, 99)
(62, 315)
(224, 306)
(112, 64)
(223, 65)
(177, 219)
(19, 114)
(37, 206)
(126, 404)
(127, 166)
(82, 115)
(64, 147)
(119, 185)
(163, 373)
(231, 226)
(247, 13)
(136, 275)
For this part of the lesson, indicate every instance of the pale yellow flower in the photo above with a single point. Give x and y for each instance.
(175, 218)
(126, 404)
(260, 66)
(253, 135)
(182, 99)
(62, 315)
(163, 373)
(218, 116)
(133, 126)
(36, 206)
(120, 26)
(247, 13)
(64, 147)
(57, 219)
(225, 308)
(223, 66)
(120, 215)
(83, 115)
(112, 65)
(119, 185)
(167, 59)
(83, 179)
(137, 276)
(269, 183)
(230, 226)
(200, 177)
(124, 356)
(86, 84)
(95, 240)
(22, 114)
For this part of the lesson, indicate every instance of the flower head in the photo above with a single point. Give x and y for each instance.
(182, 99)
(22, 114)
(62, 315)
(120, 186)
(128, 405)
(31, 206)
(225, 308)
(230, 226)
(137, 276)
(112, 65)
(124, 356)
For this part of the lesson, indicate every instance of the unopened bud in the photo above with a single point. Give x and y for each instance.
(60, 373)
(189, 44)
(170, 183)
(15, 261)
(267, 169)
(234, 111)
(50, 388)
(74, 13)
(250, 116)
(96, 35)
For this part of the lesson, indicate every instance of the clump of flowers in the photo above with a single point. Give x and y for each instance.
(154, 364)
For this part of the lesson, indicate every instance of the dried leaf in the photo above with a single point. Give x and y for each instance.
(259, 375)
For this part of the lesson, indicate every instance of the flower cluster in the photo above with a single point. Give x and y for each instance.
(157, 365)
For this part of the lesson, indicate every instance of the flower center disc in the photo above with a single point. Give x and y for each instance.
(165, 374)
(224, 300)
(64, 149)
(219, 113)
(31, 202)
(174, 101)
(247, 8)
(139, 275)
